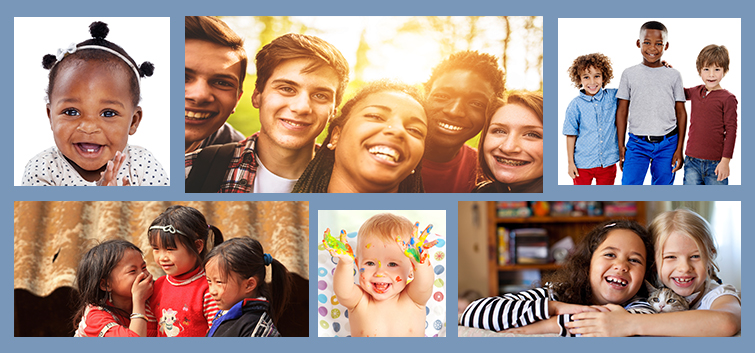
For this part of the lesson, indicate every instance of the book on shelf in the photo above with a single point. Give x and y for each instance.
(530, 245)
(512, 209)
(503, 241)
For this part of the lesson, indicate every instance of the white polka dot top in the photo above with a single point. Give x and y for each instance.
(50, 167)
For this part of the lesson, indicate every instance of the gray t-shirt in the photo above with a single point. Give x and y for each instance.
(652, 93)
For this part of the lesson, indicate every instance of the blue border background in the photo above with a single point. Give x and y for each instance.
(551, 10)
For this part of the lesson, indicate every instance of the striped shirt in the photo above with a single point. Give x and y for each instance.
(520, 309)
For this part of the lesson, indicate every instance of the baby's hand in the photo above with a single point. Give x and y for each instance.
(110, 175)
(141, 289)
(338, 248)
(416, 248)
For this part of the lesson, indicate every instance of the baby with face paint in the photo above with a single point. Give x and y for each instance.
(395, 277)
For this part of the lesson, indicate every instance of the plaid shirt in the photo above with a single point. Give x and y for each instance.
(239, 177)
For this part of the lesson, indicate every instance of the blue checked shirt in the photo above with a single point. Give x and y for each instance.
(593, 121)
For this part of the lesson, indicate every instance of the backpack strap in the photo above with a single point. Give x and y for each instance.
(209, 168)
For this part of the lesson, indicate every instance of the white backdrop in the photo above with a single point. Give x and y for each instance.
(617, 37)
(144, 39)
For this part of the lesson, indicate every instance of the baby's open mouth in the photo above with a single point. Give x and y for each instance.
(511, 162)
(88, 147)
(381, 288)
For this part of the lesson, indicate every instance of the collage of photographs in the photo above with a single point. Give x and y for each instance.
(361, 107)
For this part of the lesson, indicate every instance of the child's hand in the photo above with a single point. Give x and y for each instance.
(110, 175)
(611, 321)
(338, 248)
(141, 290)
(416, 248)
(722, 169)
(678, 161)
(573, 172)
(622, 151)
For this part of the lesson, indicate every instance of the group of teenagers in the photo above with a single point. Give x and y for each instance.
(218, 292)
(389, 137)
(650, 105)
(600, 290)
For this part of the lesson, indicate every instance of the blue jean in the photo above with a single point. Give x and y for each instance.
(701, 172)
(658, 156)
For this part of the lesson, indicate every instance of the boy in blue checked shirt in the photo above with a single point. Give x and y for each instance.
(651, 108)
(590, 125)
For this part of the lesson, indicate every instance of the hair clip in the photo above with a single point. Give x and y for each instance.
(609, 225)
(62, 52)
(168, 229)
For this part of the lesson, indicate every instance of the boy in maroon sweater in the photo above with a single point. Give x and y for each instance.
(713, 121)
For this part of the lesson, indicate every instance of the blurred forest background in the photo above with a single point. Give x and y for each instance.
(403, 48)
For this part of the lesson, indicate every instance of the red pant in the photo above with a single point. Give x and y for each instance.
(602, 176)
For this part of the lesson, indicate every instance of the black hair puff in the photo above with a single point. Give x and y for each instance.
(99, 30)
(146, 69)
(48, 61)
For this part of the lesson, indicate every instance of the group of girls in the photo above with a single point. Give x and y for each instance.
(220, 292)
(600, 286)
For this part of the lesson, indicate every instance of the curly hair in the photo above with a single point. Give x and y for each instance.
(316, 177)
(485, 65)
(98, 30)
(581, 64)
(571, 282)
(713, 55)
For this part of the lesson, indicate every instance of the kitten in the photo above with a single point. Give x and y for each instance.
(664, 300)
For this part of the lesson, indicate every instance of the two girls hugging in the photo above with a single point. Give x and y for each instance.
(599, 290)
(214, 293)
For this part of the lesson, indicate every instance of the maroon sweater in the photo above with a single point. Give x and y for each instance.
(713, 123)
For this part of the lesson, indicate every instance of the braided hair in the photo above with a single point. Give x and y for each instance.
(316, 177)
(98, 30)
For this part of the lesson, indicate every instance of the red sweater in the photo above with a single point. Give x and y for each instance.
(713, 123)
(457, 175)
(183, 305)
(100, 322)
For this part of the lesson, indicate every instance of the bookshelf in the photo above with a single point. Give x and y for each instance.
(557, 228)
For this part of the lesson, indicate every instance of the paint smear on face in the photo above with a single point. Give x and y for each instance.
(379, 264)
(398, 278)
(361, 270)
(368, 245)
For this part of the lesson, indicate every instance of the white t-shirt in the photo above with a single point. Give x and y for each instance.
(51, 168)
(266, 181)
(712, 292)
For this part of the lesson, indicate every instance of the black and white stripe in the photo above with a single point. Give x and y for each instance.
(507, 311)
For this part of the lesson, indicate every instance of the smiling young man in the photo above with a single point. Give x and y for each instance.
(300, 83)
(215, 67)
(458, 93)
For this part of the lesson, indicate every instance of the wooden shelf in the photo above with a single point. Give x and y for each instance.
(556, 219)
(519, 267)
(557, 227)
